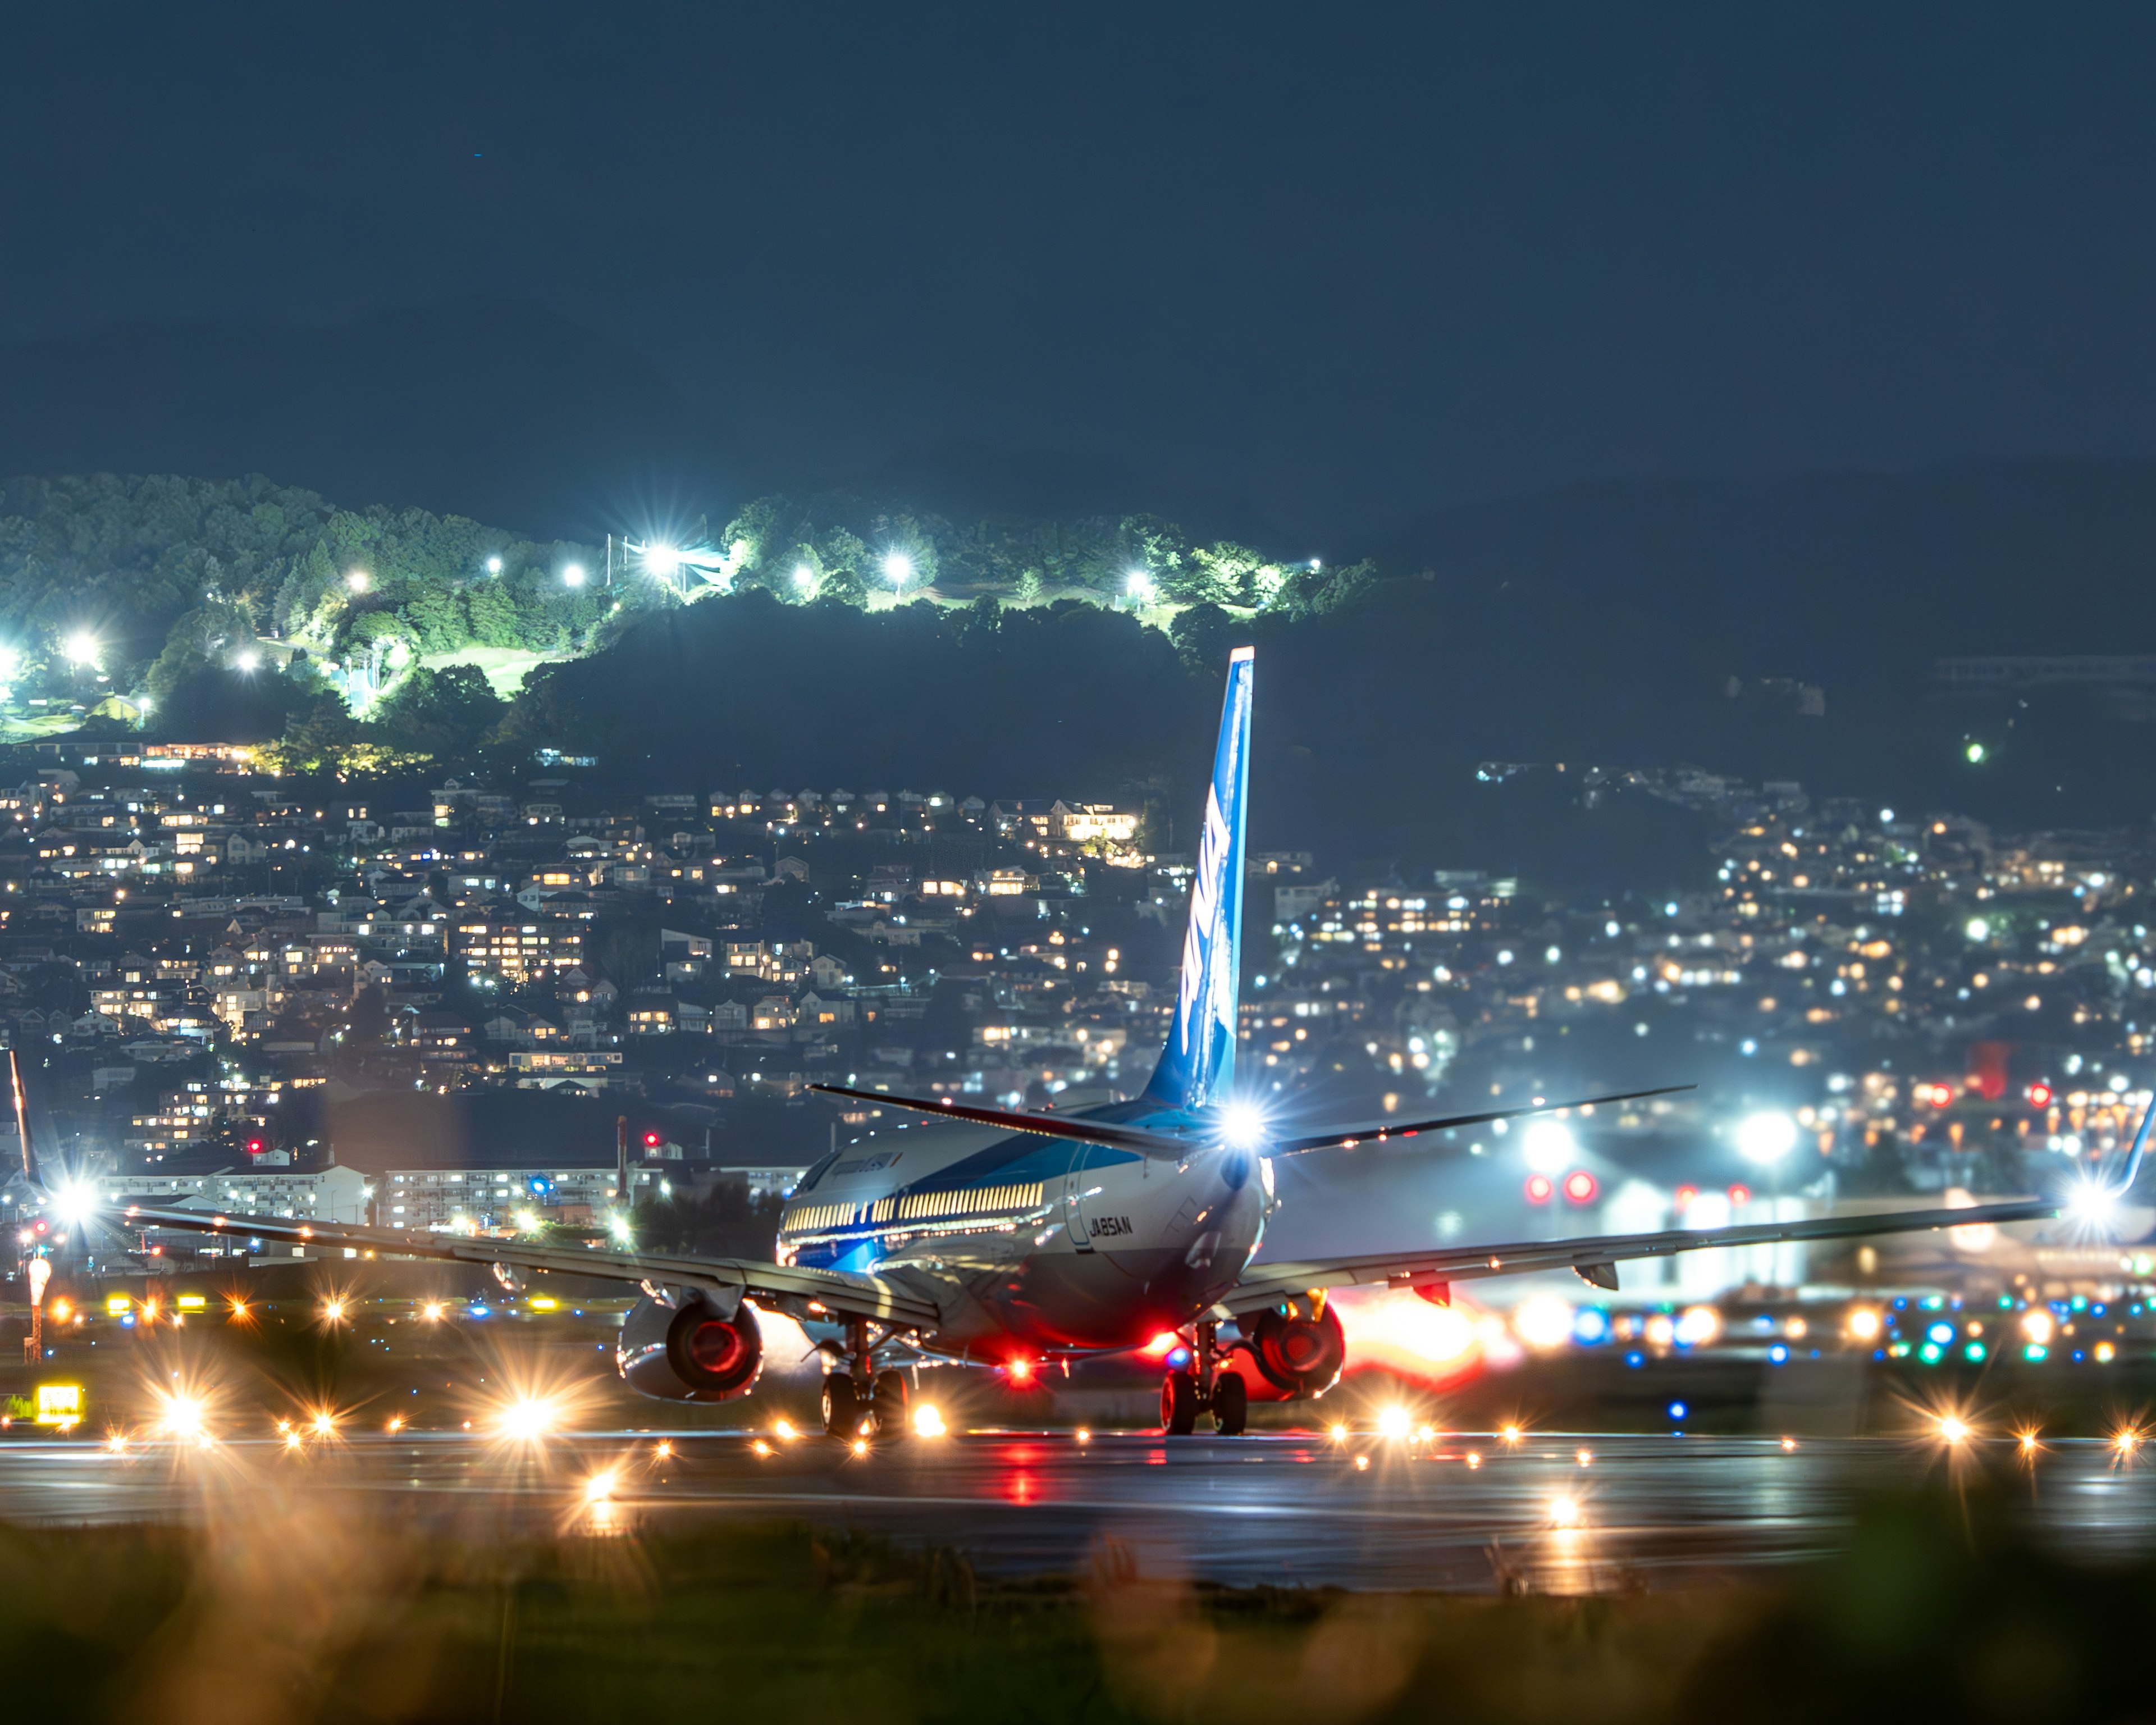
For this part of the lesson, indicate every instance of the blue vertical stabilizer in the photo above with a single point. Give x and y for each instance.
(1197, 1068)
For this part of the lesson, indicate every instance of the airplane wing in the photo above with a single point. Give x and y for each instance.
(1593, 1258)
(882, 1299)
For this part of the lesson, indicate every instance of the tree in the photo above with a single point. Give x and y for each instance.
(444, 712)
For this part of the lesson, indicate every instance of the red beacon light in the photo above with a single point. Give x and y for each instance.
(1685, 1194)
(1019, 1371)
(651, 1140)
(1539, 1189)
(1740, 1194)
(1580, 1187)
(2039, 1095)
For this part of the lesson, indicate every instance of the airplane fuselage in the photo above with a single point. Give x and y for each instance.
(1043, 1246)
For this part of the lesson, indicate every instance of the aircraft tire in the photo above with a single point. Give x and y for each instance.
(842, 1407)
(889, 1406)
(1179, 1404)
(1231, 1406)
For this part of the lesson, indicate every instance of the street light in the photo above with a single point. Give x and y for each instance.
(662, 560)
(573, 576)
(357, 581)
(897, 568)
(493, 566)
(805, 578)
(81, 647)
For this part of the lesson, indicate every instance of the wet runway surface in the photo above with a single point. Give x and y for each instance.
(1368, 1512)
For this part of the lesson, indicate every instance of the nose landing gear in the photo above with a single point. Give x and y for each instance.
(1204, 1388)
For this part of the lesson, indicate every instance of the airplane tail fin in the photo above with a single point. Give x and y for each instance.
(1196, 1070)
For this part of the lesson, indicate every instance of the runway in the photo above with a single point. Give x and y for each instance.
(1368, 1513)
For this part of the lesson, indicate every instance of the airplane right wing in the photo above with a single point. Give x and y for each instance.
(1594, 1258)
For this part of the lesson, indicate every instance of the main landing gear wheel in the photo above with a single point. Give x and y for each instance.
(1231, 1404)
(889, 1404)
(1179, 1404)
(842, 1407)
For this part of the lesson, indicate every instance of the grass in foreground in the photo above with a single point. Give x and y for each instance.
(287, 1611)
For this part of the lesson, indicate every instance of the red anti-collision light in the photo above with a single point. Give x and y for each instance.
(1740, 1194)
(2039, 1095)
(1579, 1186)
(1539, 1188)
(1685, 1194)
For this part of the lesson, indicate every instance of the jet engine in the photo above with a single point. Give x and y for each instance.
(684, 1347)
(1299, 1354)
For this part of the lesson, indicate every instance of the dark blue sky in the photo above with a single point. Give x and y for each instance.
(1347, 262)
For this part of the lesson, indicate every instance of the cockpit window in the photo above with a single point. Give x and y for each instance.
(816, 1171)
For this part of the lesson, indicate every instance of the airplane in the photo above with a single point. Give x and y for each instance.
(1011, 1238)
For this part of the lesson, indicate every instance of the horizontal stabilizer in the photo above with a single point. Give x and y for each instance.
(1018, 1119)
(1346, 1135)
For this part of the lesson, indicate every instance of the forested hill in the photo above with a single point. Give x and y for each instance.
(842, 636)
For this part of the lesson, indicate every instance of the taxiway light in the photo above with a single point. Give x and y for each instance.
(1564, 1511)
(928, 1420)
(598, 1487)
(1585, 1458)
(1338, 1432)
(432, 1310)
(184, 1416)
(783, 1431)
(528, 1418)
(2037, 1325)
(333, 1311)
(324, 1424)
(1510, 1434)
(291, 1441)
(1362, 1463)
(396, 1424)
(1085, 1435)
(760, 1447)
(1954, 1428)
(1393, 1423)
(1475, 1458)
(860, 1446)
(663, 1449)
(1863, 1324)
(2127, 1441)
(2028, 1443)
(1788, 1446)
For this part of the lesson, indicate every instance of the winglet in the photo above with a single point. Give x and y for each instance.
(30, 1171)
(2132, 1172)
(1197, 1068)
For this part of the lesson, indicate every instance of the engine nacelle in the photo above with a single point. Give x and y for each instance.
(1303, 1356)
(681, 1349)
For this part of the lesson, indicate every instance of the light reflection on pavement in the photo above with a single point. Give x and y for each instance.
(1289, 1510)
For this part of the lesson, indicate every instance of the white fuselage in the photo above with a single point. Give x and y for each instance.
(1039, 1245)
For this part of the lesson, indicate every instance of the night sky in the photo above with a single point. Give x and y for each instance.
(1349, 263)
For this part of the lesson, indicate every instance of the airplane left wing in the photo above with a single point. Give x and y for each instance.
(907, 1304)
(1594, 1258)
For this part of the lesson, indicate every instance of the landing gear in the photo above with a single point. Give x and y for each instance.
(1184, 1394)
(888, 1405)
(1179, 1404)
(842, 1416)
